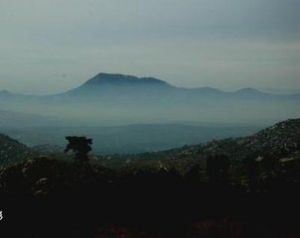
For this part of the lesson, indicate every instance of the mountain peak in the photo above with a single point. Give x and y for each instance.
(248, 90)
(5, 93)
(122, 80)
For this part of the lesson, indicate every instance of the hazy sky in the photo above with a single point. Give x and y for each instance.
(51, 45)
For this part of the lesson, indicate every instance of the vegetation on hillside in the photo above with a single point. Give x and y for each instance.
(193, 191)
(11, 151)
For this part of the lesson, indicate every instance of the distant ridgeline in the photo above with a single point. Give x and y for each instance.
(116, 99)
(281, 141)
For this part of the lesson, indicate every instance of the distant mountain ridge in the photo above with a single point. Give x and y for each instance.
(116, 99)
(120, 79)
(127, 88)
(104, 80)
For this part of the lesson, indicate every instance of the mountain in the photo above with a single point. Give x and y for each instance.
(116, 99)
(254, 93)
(103, 82)
(5, 93)
(13, 151)
(123, 80)
(118, 85)
(281, 91)
(10, 96)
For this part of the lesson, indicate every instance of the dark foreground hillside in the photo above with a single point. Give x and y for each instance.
(254, 196)
(50, 198)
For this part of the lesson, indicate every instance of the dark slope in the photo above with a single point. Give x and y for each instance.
(281, 141)
(160, 201)
(12, 151)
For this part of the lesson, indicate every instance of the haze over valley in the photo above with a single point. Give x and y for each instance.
(126, 114)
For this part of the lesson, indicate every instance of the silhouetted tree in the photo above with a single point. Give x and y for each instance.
(80, 145)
